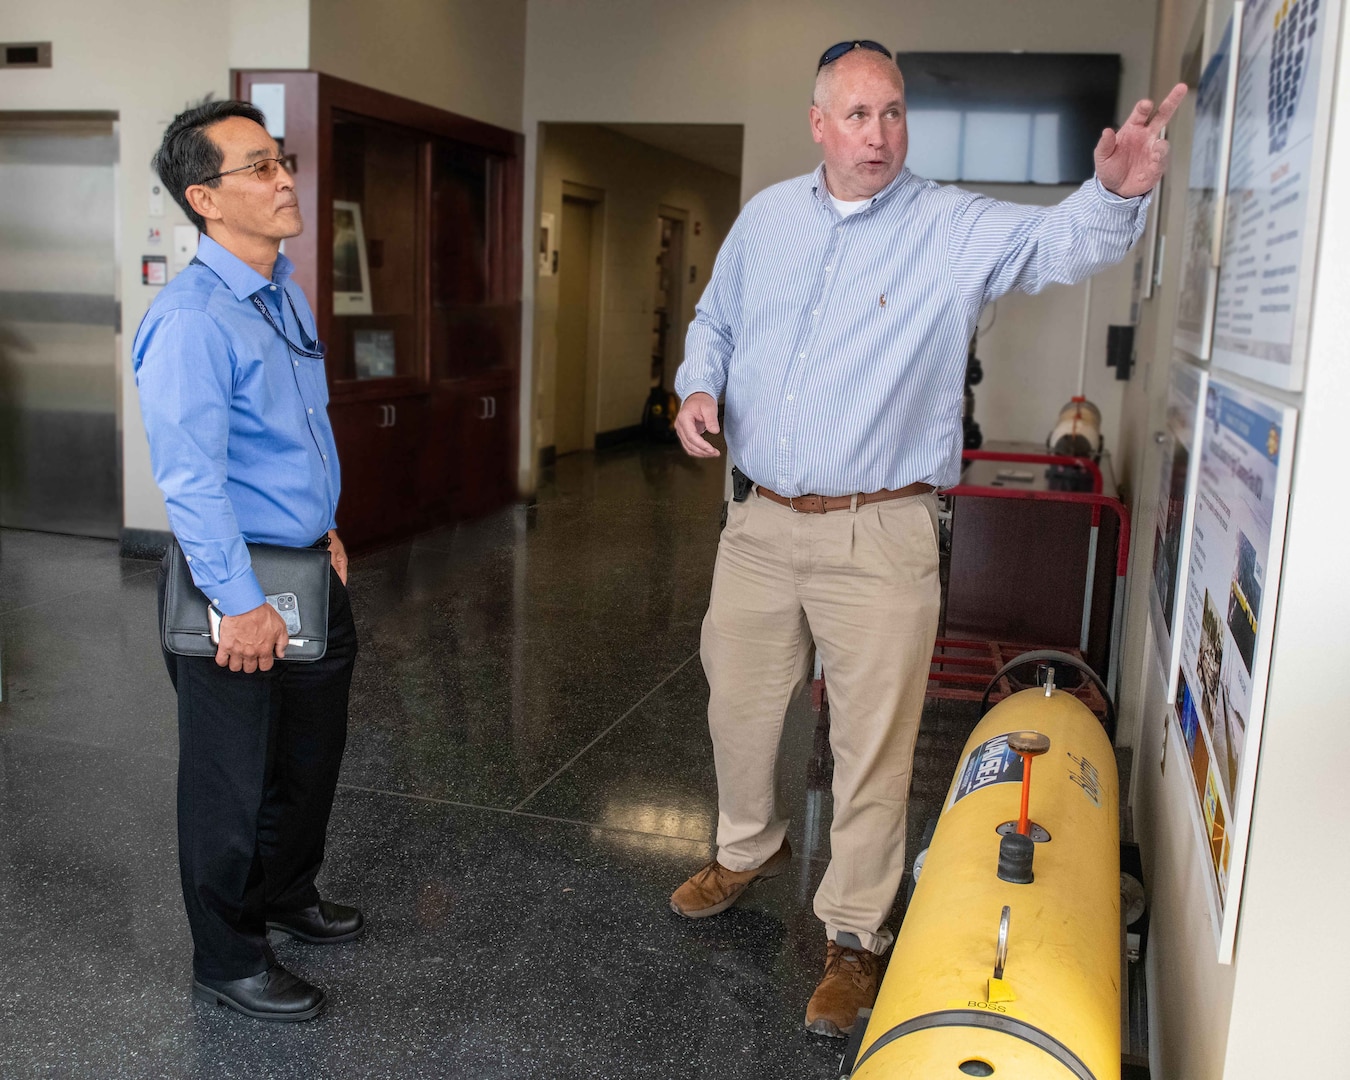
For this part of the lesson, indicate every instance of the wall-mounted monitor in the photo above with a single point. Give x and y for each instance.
(1013, 118)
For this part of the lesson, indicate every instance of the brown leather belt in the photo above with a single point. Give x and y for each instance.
(823, 504)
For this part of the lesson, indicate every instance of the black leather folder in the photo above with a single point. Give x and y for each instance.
(295, 581)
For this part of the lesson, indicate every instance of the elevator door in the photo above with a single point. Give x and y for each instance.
(59, 323)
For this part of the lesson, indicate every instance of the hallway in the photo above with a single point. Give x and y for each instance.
(527, 777)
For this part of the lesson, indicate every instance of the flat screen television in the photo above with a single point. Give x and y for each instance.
(1013, 118)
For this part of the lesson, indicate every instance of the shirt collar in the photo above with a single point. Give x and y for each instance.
(822, 193)
(240, 278)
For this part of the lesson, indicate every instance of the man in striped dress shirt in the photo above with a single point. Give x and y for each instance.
(835, 325)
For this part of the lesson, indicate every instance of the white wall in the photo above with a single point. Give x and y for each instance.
(146, 60)
(1258, 1017)
(637, 181)
(466, 56)
(752, 62)
(1292, 940)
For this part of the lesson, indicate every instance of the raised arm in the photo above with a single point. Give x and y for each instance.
(997, 247)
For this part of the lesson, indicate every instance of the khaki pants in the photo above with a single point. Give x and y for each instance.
(864, 585)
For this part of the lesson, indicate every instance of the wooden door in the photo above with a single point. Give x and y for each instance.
(486, 430)
(574, 307)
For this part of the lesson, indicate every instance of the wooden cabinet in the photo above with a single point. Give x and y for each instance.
(486, 430)
(411, 261)
(381, 482)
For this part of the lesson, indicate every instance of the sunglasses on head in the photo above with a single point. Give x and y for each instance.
(834, 52)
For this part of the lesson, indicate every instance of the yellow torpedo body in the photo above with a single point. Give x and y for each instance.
(1053, 1013)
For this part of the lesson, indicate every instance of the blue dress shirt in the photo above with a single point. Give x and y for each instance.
(840, 342)
(240, 441)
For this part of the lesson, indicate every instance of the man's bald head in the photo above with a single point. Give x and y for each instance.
(830, 78)
(858, 117)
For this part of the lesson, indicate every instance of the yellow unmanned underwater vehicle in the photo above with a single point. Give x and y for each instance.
(1008, 964)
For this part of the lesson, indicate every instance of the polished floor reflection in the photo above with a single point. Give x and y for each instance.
(527, 777)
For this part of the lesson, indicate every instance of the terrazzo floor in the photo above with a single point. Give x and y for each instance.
(528, 776)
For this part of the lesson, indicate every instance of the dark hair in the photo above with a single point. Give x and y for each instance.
(187, 155)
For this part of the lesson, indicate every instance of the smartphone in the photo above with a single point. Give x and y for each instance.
(287, 605)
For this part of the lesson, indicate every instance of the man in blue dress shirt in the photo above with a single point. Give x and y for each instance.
(234, 399)
(835, 324)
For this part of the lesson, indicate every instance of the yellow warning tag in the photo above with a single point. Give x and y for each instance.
(1000, 990)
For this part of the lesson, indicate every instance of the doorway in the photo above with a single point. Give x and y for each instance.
(668, 306)
(661, 199)
(577, 252)
(60, 324)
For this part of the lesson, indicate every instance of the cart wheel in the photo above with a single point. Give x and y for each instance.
(1056, 659)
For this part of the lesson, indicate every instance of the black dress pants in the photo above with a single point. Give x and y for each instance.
(258, 760)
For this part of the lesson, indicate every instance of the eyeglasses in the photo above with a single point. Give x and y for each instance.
(834, 52)
(264, 168)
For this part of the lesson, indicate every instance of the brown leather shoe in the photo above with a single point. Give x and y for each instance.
(849, 984)
(715, 888)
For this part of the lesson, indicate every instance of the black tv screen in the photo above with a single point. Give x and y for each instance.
(1018, 118)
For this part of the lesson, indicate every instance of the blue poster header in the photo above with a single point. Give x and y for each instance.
(1261, 433)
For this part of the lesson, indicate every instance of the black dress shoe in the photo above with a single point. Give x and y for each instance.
(322, 924)
(274, 994)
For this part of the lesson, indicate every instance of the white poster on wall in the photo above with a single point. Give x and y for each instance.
(1207, 185)
(1285, 75)
(1237, 541)
(1178, 477)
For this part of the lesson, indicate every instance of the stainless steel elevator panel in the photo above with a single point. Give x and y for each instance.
(60, 322)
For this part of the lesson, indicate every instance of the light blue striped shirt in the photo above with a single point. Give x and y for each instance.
(840, 342)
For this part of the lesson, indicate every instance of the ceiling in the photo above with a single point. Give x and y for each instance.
(716, 145)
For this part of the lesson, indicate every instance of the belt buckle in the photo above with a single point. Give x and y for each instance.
(792, 506)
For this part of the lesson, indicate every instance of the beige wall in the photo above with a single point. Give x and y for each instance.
(146, 61)
(636, 180)
(752, 62)
(1255, 1018)
(466, 56)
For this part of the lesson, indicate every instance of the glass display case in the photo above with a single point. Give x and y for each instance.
(411, 259)
(376, 329)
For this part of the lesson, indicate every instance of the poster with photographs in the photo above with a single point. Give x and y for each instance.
(351, 265)
(1286, 72)
(1237, 541)
(1205, 192)
(1178, 476)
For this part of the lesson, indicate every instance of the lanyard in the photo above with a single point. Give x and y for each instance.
(261, 305)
